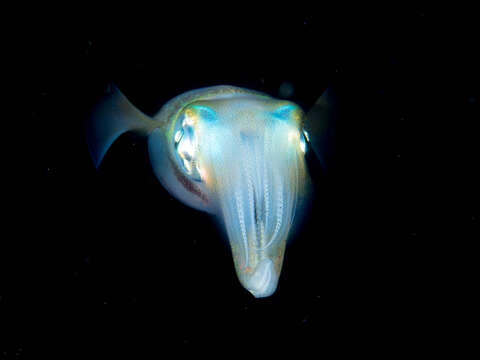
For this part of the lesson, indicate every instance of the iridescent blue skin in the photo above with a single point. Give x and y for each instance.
(235, 153)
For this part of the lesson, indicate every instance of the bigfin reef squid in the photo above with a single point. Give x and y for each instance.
(235, 153)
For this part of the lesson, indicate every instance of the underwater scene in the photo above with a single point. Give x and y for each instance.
(233, 178)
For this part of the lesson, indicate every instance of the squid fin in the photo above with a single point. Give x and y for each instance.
(110, 118)
(321, 125)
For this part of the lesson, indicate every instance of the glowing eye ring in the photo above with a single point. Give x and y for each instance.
(205, 112)
(287, 111)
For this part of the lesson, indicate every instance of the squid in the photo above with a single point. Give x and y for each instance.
(235, 153)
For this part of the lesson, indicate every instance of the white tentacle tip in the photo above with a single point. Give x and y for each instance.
(263, 282)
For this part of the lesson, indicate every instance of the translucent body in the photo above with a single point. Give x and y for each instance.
(235, 153)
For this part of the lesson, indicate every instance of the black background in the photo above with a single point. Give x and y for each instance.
(106, 263)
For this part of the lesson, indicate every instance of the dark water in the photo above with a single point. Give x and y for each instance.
(106, 263)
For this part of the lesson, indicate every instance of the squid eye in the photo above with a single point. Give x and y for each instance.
(304, 139)
(186, 146)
